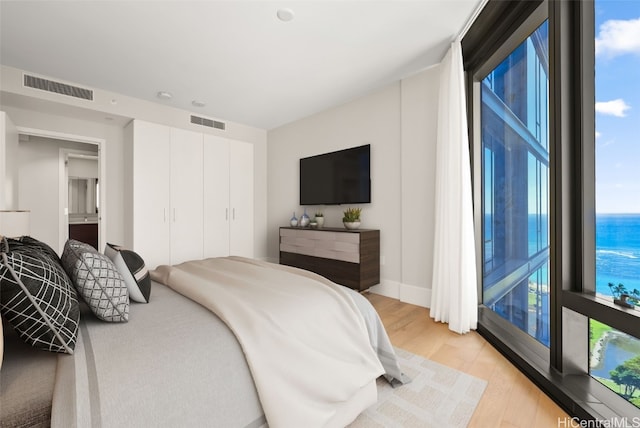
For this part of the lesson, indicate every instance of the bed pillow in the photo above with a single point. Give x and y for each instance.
(132, 268)
(97, 280)
(29, 242)
(37, 297)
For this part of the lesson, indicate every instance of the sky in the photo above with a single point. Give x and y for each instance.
(617, 106)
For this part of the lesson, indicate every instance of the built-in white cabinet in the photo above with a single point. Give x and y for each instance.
(217, 213)
(191, 193)
(186, 214)
(228, 197)
(151, 183)
(167, 185)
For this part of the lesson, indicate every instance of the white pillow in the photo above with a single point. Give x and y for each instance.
(133, 270)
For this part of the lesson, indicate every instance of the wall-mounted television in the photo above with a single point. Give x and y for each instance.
(342, 177)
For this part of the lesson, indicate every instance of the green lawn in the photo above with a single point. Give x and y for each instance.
(597, 330)
(616, 388)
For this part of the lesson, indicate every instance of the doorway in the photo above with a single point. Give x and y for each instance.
(44, 184)
(82, 194)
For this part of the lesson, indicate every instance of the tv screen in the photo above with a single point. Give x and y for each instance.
(341, 177)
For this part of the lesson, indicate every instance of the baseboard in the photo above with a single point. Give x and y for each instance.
(406, 293)
(419, 296)
(387, 288)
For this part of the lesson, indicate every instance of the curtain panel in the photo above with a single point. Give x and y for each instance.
(454, 294)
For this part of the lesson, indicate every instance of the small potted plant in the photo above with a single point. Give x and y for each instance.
(319, 219)
(351, 219)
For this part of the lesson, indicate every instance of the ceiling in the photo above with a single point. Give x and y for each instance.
(236, 56)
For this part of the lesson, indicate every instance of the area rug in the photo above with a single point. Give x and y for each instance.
(437, 396)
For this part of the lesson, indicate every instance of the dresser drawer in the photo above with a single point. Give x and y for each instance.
(347, 257)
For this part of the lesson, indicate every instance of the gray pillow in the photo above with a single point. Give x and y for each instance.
(37, 297)
(97, 280)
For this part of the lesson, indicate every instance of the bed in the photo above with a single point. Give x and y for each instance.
(228, 342)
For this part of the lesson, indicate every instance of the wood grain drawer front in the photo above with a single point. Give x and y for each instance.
(350, 258)
(328, 245)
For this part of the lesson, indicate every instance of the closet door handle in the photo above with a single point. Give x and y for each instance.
(174, 215)
(233, 215)
(226, 213)
(164, 214)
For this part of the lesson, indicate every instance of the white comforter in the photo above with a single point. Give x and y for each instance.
(306, 359)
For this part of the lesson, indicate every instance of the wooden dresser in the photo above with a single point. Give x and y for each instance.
(347, 257)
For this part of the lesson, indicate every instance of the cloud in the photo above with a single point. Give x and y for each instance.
(616, 107)
(618, 37)
(598, 134)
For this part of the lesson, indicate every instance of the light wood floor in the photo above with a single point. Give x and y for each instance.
(510, 399)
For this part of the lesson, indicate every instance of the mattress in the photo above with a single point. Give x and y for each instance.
(174, 359)
(175, 363)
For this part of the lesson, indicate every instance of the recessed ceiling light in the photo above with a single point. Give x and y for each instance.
(285, 14)
(164, 95)
(197, 103)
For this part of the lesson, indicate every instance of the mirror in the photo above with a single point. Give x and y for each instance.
(83, 187)
(83, 195)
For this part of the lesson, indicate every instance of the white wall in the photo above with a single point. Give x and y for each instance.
(111, 134)
(419, 120)
(39, 185)
(399, 122)
(371, 120)
(8, 169)
(32, 108)
(84, 168)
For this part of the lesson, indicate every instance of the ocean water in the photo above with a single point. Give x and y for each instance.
(617, 248)
(617, 251)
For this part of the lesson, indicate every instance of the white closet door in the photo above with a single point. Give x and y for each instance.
(151, 201)
(216, 196)
(241, 199)
(186, 196)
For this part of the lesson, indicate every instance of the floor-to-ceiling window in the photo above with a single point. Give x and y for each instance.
(614, 356)
(554, 113)
(515, 146)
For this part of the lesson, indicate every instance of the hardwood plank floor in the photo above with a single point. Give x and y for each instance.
(510, 400)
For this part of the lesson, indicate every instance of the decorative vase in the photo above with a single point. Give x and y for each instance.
(351, 224)
(294, 220)
(304, 219)
(320, 221)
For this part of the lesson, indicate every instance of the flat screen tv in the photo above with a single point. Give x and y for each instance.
(342, 177)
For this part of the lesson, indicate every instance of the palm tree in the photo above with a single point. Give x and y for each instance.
(617, 290)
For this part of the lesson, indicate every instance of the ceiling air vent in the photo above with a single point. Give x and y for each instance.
(207, 122)
(57, 87)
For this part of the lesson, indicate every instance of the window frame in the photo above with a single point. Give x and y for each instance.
(563, 373)
(526, 29)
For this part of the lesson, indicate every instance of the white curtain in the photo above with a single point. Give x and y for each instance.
(454, 296)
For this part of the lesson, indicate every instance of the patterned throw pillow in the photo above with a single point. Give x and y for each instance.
(132, 268)
(34, 244)
(97, 280)
(37, 297)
